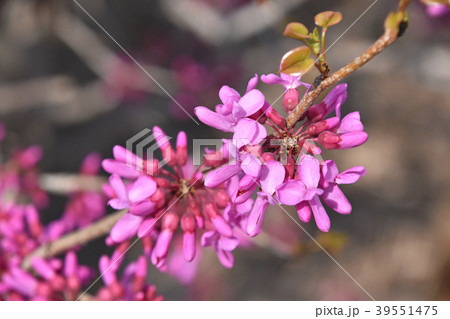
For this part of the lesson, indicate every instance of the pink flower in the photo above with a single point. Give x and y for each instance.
(137, 199)
(53, 279)
(329, 193)
(438, 10)
(131, 285)
(270, 168)
(233, 115)
(290, 83)
(347, 134)
(173, 198)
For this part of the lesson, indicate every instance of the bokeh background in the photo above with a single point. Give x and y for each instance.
(67, 86)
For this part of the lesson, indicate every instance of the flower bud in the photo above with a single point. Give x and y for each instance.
(195, 210)
(221, 198)
(259, 116)
(290, 100)
(329, 140)
(182, 152)
(321, 126)
(316, 112)
(275, 117)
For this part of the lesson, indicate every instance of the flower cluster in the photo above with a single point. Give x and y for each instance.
(212, 204)
(19, 177)
(285, 166)
(21, 232)
(131, 286)
(164, 201)
(55, 280)
(27, 277)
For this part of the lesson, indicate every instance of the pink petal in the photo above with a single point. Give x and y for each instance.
(309, 171)
(336, 199)
(70, 263)
(142, 188)
(143, 208)
(220, 175)
(291, 192)
(320, 215)
(311, 192)
(118, 186)
(335, 98)
(351, 175)
(226, 258)
(246, 182)
(243, 197)
(248, 131)
(126, 227)
(161, 248)
(272, 175)
(123, 155)
(228, 243)
(109, 275)
(272, 79)
(121, 169)
(146, 227)
(222, 226)
(252, 83)
(330, 171)
(227, 94)
(189, 246)
(42, 268)
(161, 138)
(250, 165)
(252, 101)
(350, 123)
(213, 119)
(117, 203)
(244, 207)
(304, 211)
(141, 267)
(209, 238)
(353, 139)
(256, 215)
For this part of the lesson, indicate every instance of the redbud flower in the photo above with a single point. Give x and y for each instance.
(233, 115)
(132, 285)
(283, 169)
(290, 83)
(159, 202)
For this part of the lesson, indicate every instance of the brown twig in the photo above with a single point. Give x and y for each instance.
(389, 36)
(78, 237)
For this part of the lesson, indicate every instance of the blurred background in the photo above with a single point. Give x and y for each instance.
(67, 86)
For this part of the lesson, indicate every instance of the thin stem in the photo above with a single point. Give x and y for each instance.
(389, 36)
(322, 46)
(78, 237)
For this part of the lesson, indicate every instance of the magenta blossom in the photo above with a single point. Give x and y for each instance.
(318, 181)
(55, 280)
(173, 198)
(132, 285)
(290, 83)
(438, 10)
(282, 167)
(234, 115)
